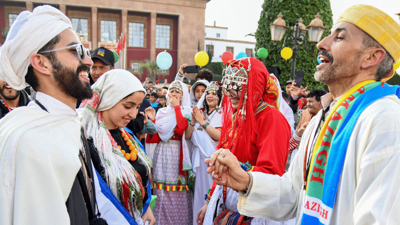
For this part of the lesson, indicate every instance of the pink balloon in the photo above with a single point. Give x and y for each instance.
(226, 57)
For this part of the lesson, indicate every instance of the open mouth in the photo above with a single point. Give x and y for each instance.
(84, 75)
(323, 59)
(8, 87)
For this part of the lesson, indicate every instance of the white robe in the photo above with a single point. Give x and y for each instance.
(39, 160)
(368, 191)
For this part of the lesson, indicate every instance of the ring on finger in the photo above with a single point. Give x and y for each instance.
(222, 154)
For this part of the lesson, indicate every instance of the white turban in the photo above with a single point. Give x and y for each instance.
(28, 34)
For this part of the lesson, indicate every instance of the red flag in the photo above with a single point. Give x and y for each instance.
(124, 41)
(119, 48)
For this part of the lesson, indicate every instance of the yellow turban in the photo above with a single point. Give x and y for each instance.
(377, 24)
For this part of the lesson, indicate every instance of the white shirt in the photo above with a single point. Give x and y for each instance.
(368, 190)
(52, 105)
(39, 160)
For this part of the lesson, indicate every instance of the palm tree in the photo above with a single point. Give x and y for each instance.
(151, 67)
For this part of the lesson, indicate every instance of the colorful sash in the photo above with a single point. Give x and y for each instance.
(326, 165)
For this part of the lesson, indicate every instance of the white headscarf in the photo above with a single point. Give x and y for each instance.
(166, 123)
(110, 89)
(284, 108)
(28, 34)
(193, 100)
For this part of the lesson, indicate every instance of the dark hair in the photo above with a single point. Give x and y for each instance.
(150, 82)
(31, 77)
(317, 93)
(154, 95)
(163, 97)
(166, 88)
(147, 95)
(285, 96)
(205, 74)
(387, 62)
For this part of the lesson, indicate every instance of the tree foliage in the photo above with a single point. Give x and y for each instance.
(395, 80)
(151, 67)
(291, 11)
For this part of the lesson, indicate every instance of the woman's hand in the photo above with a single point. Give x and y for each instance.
(201, 214)
(198, 116)
(150, 112)
(173, 100)
(146, 119)
(148, 216)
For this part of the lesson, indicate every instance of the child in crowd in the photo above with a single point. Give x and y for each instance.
(147, 96)
(163, 102)
(153, 98)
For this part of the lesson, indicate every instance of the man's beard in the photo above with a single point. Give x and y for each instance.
(8, 97)
(336, 72)
(68, 80)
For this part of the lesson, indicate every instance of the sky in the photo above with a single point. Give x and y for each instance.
(242, 19)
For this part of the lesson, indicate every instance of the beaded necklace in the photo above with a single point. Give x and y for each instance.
(132, 156)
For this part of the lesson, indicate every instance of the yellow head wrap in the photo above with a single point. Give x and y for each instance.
(378, 25)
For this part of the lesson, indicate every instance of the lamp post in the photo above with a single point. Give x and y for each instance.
(298, 35)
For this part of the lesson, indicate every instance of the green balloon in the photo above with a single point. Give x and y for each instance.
(116, 57)
(262, 53)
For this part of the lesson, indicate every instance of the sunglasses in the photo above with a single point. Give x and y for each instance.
(80, 50)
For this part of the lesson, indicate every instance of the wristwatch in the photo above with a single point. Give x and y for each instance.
(205, 125)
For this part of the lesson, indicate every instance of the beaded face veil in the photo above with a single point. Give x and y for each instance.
(234, 77)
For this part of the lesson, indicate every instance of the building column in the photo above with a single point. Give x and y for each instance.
(29, 6)
(63, 9)
(153, 36)
(94, 28)
(124, 21)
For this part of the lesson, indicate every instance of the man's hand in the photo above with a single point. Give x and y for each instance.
(227, 171)
(300, 131)
(146, 119)
(296, 91)
(173, 101)
(201, 214)
(181, 69)
(150, 112)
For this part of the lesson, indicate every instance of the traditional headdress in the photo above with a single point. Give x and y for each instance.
(28, 34)
(175, 86)
(379, 25)
(213, 87)
(251, 77)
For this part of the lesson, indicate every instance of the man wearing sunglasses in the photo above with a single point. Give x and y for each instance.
(45, 171)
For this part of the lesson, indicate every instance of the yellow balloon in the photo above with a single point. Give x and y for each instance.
(286, 53)
(201, 58)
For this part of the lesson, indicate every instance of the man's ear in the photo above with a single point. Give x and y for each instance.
(41, 64)
(374, 57)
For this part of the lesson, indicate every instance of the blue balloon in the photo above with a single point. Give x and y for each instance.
(164, 60)
(319, 61)
(241, 55)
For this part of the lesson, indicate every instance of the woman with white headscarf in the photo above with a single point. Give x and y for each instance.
(204, 132)
(171, 159)
(117, 156)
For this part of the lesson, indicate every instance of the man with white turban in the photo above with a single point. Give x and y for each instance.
(45, 171)
(347, 168)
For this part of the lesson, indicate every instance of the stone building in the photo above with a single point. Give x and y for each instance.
(151, 26)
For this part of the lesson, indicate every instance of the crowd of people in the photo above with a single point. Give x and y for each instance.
(85, 143)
